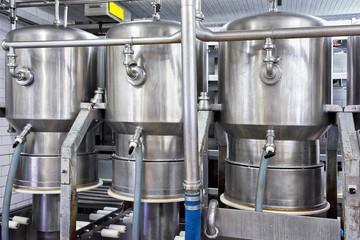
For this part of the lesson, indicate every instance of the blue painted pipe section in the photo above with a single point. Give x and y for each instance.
(261, 182)
(139, 179)
(8, 191)
(192, 216)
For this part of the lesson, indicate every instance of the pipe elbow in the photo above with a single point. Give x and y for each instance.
(212, 231)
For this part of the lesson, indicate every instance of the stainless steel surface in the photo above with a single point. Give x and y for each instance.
(52, 101)
(235, 224)
(160, 221)
(294, 180)
(69, 164)
(189, 71)
(46, 212)
(156, 105)
(351, 178)
(40, 164)
(293, 107)
(163, 167)
(174, 38)
(353, 71)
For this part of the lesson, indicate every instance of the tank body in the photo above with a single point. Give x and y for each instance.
(292, 107)
(63, 78)
(156, 106)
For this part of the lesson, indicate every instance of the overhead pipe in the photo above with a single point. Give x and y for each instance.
(57, 15)
(72, 2)
(192, 175)
(175, 38)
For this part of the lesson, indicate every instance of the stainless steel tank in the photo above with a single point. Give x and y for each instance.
(63, 77)
(156, 106)
(292, 106)
(353, 71)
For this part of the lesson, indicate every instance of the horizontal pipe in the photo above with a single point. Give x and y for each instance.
(72, 2)
(175, 38)
(205, 34)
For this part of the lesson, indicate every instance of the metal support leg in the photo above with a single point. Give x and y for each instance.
(222, 147)
(68, 203)
(331, 171)
(351, 171)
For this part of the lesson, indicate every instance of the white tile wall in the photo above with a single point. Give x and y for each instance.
(6, 139)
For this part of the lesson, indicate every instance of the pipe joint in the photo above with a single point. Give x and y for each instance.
(192, 187)
(136, 75)
(135, 140)
(21, 138)
(204, 102)
(273, 7)
(23, 76)
(270, 147)
(270, 72)
(156, 5)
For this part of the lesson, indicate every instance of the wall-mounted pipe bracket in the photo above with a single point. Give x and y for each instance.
(136, 75)
(270, 72)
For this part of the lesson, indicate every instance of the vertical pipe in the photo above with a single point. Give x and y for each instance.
(66, 9)
(138, 192)
(45, 212)
(12, 14)
(192, 175)
(57, 15)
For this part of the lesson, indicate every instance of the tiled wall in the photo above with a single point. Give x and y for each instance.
(6, 140)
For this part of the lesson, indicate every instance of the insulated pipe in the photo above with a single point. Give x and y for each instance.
(8, 191)
(205, 34)
(175, 38)
(261, 182)
(139, 179)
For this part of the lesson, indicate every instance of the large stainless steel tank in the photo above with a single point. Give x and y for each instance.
(353, 73)
(292, 107)
(156, 106)
(63, 77)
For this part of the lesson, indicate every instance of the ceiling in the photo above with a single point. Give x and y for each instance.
(219, 12)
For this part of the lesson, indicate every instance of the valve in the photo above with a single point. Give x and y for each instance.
(270, 148)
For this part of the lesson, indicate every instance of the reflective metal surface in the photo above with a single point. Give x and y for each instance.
(163, 167)
(46, 212)
(63, 77)
(293, 107)
(160, 221)
(295, 175)
(40, 164)
(156, 105)
(353, 71)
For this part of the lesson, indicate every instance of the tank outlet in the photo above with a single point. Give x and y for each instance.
(270, 148)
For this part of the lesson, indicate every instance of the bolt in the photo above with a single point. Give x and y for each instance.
(64, 171)
(352, 190)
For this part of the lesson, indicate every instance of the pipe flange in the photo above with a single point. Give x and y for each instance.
(26, 77)
(139, 78)
(214, 235)
(273, 78)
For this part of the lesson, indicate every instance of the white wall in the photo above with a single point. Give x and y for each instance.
(6, 140)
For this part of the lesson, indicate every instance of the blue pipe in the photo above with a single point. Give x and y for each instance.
(260, 187)
(8, 191)
(139, 179)
(192, 216)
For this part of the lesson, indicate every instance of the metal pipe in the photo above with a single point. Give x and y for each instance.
(175, 38)
(72, 2)
(66, 9)
(211, 230)
(12, 14)
(192, 175)
(57, 15)
(205, 34)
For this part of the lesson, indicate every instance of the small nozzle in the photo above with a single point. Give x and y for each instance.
(131, 149)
